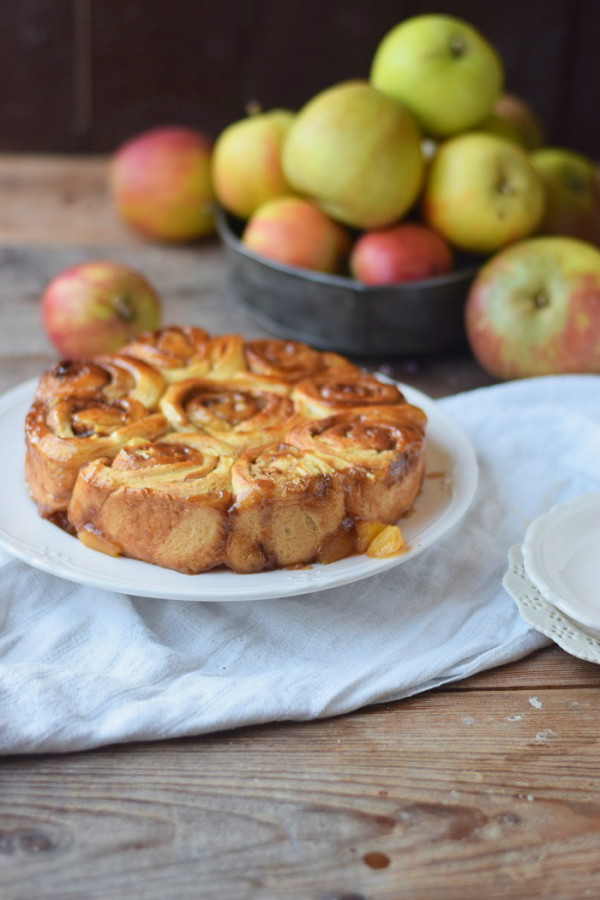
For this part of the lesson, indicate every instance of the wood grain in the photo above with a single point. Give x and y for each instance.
(427, 798)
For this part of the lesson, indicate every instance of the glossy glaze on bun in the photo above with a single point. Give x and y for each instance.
(193, 452)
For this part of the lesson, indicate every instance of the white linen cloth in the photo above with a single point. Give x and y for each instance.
(81, 667)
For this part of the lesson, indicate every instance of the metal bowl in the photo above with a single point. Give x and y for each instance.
(332, 312)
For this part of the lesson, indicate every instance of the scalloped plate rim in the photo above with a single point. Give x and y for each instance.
(543, 569)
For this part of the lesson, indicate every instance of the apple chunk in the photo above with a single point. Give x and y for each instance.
(534, 309)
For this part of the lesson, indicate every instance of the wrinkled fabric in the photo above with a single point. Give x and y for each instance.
(81, 667)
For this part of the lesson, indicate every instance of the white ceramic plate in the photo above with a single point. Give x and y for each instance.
(448, 490)
(561, 553)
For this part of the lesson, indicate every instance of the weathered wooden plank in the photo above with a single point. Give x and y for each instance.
(492, 798)
(550, 667)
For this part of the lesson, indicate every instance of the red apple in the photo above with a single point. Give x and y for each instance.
(401, 253)
(295, 232)
(161, 184)
(97, 307)
(534, 309)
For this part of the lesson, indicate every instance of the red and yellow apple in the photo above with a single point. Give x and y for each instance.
(534, 309)
(406, 252)
(482, 193)
(246, 162)
(442, 69)
(97, 307)
(161, 184)
(296, 232)
(572, 194)
(357, 154)
(517, 118)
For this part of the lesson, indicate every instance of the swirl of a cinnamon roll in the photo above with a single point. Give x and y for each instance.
(241, 412)
(163, 502)
(63, 435)
(182, 353)
(380, 452)
(289, 361)
(341, 389)
(109, 377)
(287, 506)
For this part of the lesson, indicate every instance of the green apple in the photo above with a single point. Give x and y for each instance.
(482, 193)
(443, 69)
(534, 309)
(572, 194)
(357, 154)
(246, 162)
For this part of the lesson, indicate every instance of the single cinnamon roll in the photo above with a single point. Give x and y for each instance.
(243, 412)
(380, 452)
(288, 505)
(63, 435)
(108, 377)
(341, 389)
(182, 353)
(164, 503)
(289, 361)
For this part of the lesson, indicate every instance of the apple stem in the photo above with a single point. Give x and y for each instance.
(541, 300)
(253, 108)
(457, 46)
(124, 308)
(505, 187)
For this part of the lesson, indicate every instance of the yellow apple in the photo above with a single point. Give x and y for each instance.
(357, 154)
(246, 163)
(572, 193)
(443, 69)
(482, 193)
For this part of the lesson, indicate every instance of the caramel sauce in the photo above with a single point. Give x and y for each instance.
(61, 520)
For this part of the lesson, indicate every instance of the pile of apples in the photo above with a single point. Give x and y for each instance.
(399, 178)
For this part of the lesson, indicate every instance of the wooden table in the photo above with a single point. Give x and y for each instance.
(486, 788)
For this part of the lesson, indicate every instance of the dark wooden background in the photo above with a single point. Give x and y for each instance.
(83, 75)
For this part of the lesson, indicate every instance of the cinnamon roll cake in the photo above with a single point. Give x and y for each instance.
(192, 452)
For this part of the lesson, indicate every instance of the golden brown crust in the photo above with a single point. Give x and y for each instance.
(164, 502)
(61, 436)
(244, 411)
(340, 389)
(191, 452)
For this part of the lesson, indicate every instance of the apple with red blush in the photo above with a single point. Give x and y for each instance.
(97, 307)
(296, 232)
(405, 252)
(534, 309)
(161, 184)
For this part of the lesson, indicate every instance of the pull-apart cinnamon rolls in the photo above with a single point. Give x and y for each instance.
(193, 452)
